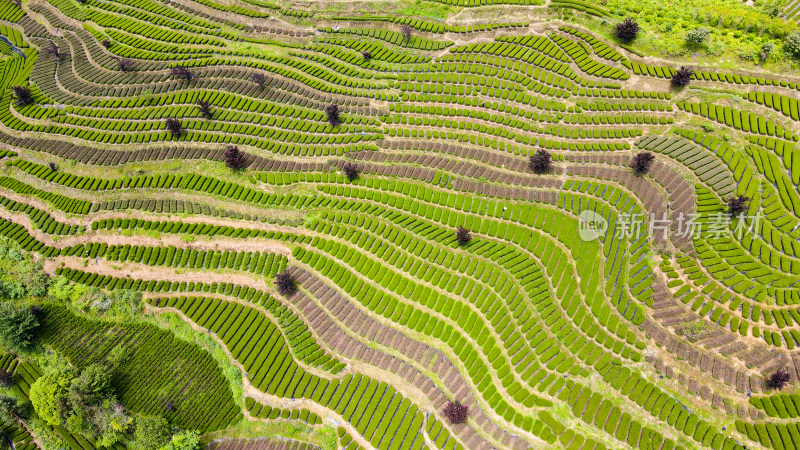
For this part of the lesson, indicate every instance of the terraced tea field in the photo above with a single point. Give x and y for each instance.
(376, 218)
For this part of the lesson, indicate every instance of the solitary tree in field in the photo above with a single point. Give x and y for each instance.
(23, 95)
(204, 108)
(105, 43)
(182, 72)
(366, 55)
(778, 379)
(350, 171)
(169, 406)
(124, 64)
(455, 412)
(463, 236)
(406, 31)
(173, 126)
(52, 166)
(737, 205)
(682, 76)
(333, 114)
(234, 158)
(541, 161)
(259, 79)
(627, 30)
(642, 162)
(285, 284)
(5, 378)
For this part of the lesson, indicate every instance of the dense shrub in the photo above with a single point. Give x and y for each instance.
(463, 236)
(366, 55)
(350, 171)
(23, 95)
(105, 43)
(6, 378)
(332, 111)
(697, 36)
(18, 327)
(627, 30)
(682, 76)
(642, 162)
(540, 162)
(455, 412)
(285, 284)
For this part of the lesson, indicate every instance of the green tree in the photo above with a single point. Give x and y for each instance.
(49, 395)
(791, 44)
(185, 440)
(150, 432)
(18, 327)
(91, 386)
(10, 409)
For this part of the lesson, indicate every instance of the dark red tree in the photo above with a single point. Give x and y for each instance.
(627, 30)
(54, 51)
(366, 55)
(259, 79)
(333, 114)
(738, 205)
(406, 31)
(463, 236)
(541, 161)
(182, 72)
(350, 171)
(23, 95)
(455, 412)
(642, 162)
(105, 43)
(124, 64)
(682, 76)
(234, 158)
(173, 126)
(778, 379)
(285, 284)
(204, 108)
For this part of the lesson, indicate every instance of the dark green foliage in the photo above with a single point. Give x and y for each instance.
(18, 327)
(150, 432)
